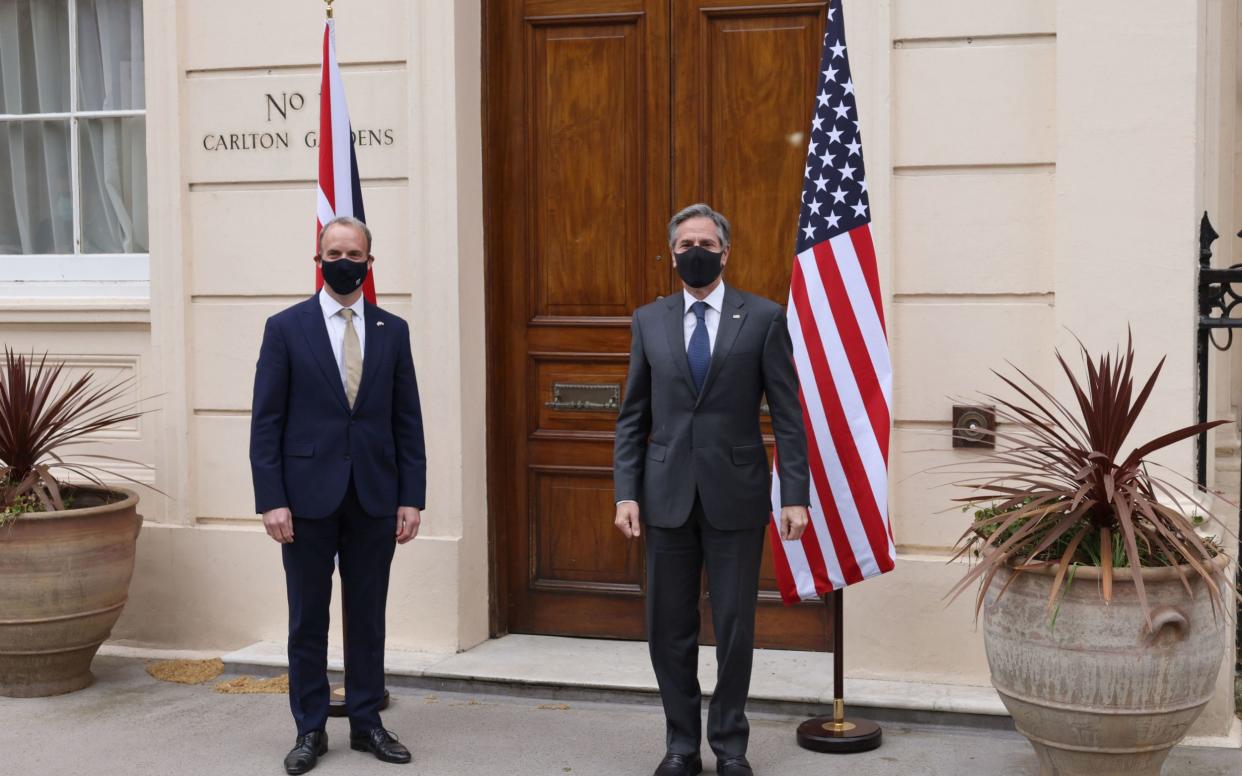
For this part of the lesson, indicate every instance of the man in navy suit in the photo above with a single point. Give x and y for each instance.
(340, 470)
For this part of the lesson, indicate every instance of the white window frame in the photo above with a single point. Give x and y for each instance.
(77, 274)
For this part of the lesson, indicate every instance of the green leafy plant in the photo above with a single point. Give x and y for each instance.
(41, 414)
(1057, 492)
(1089, 551)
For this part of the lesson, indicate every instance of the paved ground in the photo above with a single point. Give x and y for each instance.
(129, 724)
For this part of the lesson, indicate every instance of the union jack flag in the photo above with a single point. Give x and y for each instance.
(339, 192)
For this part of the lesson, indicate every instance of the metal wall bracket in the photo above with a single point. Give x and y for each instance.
(974, 426)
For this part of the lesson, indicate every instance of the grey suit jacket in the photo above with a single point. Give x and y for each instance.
(672, 441)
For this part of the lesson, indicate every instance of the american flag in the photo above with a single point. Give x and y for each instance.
(339, 192)
(836, 322)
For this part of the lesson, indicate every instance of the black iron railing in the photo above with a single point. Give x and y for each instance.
(1220, 295)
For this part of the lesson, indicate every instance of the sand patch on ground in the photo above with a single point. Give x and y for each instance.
(248, 685)
(186, 671)
(200, 671)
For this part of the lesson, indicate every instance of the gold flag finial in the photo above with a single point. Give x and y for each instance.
(329, 8)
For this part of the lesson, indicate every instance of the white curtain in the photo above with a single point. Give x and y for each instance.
(36, 213)
(36, 206)
(113, 152)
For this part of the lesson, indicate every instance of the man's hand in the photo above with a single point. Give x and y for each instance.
(627, 519)
(408, 519)
(793, 522)
(279, 524)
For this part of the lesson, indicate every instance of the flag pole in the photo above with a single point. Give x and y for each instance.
(336, 699)
(838, 734)
(336, 696)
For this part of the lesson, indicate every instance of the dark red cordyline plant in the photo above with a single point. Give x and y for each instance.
(1057, 490)
(40, 415)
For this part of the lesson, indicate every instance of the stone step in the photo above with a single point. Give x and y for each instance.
(598, 669)
(557, 668)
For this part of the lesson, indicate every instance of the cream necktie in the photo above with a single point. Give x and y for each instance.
(352, 351)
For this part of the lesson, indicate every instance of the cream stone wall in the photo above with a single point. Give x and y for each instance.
(1037, 170)
(1039, 190)
(241, 110)
(973, 181)
(1125, 209)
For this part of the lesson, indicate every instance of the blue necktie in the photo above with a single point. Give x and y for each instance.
(699, 352)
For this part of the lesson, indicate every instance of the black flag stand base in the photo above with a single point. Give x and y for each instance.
(838, 734)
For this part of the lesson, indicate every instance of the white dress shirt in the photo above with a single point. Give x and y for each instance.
(336, 327)
(715, 302)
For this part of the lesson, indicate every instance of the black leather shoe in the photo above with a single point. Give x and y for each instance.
(380, 743)
(679, 765)
(734, 766)
(306, 752)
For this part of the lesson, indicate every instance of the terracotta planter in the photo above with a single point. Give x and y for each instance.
(1097, 693)
(64, 577)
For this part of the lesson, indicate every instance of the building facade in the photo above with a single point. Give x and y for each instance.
(1037, 172)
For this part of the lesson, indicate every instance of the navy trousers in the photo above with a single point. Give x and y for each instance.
(675, 561)
(365, 545)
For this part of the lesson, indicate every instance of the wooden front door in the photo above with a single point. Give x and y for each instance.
(603, 117)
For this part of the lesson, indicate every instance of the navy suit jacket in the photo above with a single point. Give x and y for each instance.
(305, 441)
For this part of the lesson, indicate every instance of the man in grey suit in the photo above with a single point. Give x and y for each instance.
(689, 462)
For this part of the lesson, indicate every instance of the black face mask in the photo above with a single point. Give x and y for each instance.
(345, 276)
(698, 266)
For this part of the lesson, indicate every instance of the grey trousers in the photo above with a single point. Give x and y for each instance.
(675, 559)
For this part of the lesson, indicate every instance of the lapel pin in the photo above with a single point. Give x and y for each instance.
(379, 323)
(737, 315)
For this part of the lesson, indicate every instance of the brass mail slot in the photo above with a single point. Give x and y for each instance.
(589, 397)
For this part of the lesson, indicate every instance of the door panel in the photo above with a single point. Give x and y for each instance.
(576, 550)
(578, 194)
(603, 118)
(744, 81)
(744, 85)
(584, 167)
